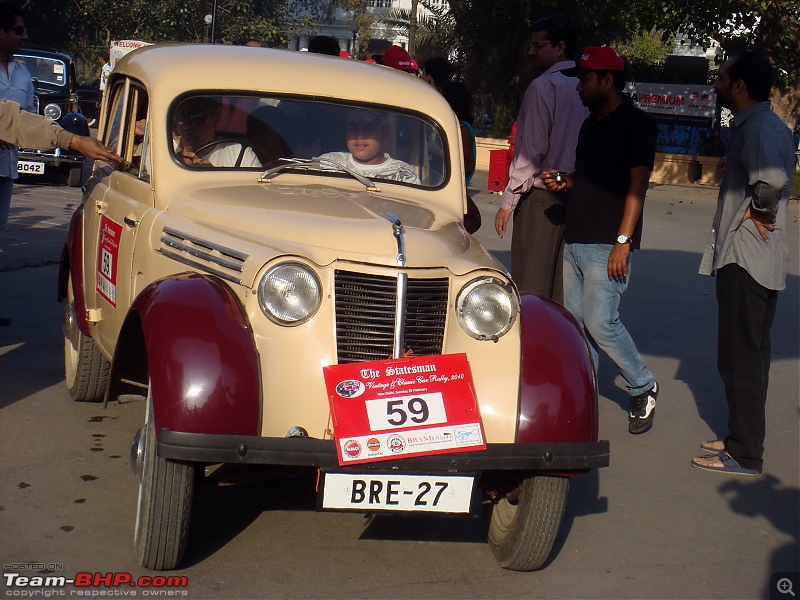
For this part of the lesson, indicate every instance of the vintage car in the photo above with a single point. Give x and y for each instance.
(282, 280)
(55, 92)
(89, 98)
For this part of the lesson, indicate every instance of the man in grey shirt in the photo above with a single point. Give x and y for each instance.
(749, 254)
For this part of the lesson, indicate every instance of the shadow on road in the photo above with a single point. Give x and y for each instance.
(671, 312)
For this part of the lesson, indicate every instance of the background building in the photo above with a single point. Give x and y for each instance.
(351, 30)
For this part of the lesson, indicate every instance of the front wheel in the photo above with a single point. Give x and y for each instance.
(524, 523)
(165, 503)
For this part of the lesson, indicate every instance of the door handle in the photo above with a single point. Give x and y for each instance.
(131, 222)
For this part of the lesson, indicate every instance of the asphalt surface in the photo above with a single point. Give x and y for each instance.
(648, 526)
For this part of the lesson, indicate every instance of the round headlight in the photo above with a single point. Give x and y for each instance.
(487, 308)
(289, 293)
(52, 111)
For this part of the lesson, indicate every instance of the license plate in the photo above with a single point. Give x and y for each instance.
(30, 168)
(393, 493)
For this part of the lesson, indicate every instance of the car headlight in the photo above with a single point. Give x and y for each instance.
(289, 293)
(487, 308)
(52, 111)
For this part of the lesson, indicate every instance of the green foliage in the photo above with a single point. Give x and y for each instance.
(86, 27)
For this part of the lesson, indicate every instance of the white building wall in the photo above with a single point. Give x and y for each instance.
(341, 27)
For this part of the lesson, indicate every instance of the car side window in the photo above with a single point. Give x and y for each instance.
(126, 127)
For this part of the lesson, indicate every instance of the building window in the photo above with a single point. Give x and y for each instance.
(380, 3)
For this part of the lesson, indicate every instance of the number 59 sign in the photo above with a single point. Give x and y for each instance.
(396, 408)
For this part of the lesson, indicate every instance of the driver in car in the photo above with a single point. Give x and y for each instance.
(194, 123)
(367, 131)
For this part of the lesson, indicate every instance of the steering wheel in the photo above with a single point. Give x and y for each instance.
(239, 158)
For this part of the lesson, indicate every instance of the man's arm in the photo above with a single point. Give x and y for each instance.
(92, 148)
(530, 147)
(765, 167)
(28, 130)
(634, 202)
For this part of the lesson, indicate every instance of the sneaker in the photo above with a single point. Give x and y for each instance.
(642, 410)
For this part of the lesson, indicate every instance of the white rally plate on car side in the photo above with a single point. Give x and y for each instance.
(30, 168)
(397, 493)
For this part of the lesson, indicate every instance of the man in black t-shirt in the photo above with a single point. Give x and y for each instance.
(613, 161)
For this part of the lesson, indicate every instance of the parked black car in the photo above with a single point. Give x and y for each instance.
(56, 92)
(89, 97)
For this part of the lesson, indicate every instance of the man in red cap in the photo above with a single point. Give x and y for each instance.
(399, 59)
(613, 161)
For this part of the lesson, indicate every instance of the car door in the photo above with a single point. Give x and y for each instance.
(113, 211)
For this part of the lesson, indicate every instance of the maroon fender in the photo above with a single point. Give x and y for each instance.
(201, 357)
(558, 397)
(71, 265)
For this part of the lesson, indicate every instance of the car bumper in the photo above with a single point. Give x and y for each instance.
(196, 447)
(53, 158)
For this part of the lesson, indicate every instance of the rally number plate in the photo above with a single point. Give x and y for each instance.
(30, 168)
(397, 493)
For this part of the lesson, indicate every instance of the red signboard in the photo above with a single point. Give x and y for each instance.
(107, 259)
(396, 408)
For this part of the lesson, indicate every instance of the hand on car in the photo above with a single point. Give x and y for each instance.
(91, 148)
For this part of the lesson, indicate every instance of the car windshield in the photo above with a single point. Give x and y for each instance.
(44, 70)
(259, 133)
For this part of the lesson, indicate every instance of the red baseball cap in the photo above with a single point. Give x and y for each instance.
(397, 58)
(597, 58)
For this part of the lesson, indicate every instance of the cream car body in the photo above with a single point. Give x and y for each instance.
(164, 262)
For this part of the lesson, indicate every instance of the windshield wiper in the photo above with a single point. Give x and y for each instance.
(317, 164)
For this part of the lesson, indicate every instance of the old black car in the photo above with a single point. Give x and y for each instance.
(55, 89)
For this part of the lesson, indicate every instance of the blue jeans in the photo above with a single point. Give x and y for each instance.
(594, 300)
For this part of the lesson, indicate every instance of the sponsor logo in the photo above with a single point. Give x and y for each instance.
(396, 444)
(350, 388)
(373, 444)
(352, 448)
(467, 435)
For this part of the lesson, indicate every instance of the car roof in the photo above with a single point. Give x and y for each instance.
(45, 53)
(174, 69)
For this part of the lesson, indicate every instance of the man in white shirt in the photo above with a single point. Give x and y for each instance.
(195, 121)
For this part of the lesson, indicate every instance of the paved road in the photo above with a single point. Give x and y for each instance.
(649, 526)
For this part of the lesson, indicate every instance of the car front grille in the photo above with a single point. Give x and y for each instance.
(365, 316)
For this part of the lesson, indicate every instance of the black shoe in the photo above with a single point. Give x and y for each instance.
(4, 322)
(643, 410)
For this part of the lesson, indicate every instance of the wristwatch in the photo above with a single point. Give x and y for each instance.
(623, 239)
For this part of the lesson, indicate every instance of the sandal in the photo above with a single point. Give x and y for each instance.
(707, 446)
(727, 464)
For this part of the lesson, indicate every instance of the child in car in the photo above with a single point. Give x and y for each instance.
(366, 134)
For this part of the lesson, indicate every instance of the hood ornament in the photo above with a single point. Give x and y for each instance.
(399, 231)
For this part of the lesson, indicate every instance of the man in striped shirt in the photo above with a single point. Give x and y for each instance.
(547, 133)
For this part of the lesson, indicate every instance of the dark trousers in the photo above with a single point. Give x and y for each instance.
(746, 312)
(537, 244)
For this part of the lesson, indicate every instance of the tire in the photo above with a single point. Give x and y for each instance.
(522, 532)
(165, 504)
(74, 176)
(85, 368)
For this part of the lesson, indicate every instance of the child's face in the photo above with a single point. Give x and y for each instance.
(365, 142)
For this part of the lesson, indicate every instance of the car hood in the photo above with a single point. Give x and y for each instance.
(325, 224)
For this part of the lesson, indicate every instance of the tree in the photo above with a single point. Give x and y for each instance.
(769, 26)
(490, 38)
(86, 27)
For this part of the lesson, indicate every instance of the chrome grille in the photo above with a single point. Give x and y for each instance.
(365, 316)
